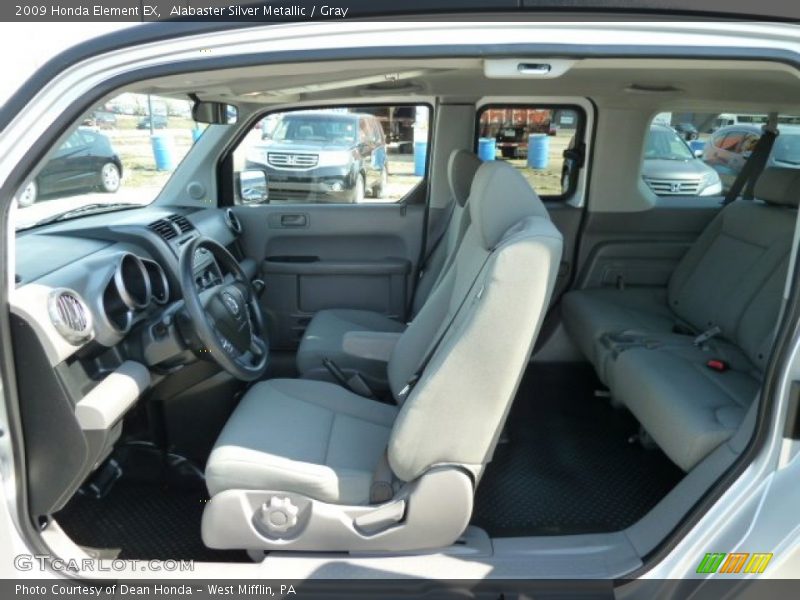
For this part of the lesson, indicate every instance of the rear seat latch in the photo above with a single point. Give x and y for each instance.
(707, 335)
(717, 365)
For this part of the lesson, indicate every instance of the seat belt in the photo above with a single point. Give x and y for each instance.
(439, 238)
(755, 164)
(451, 258)
(409, 386)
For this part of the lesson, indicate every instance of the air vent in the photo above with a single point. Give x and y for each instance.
(181, 222)
(70, 316)
(232, 221)
(171, 227)
(164, 228)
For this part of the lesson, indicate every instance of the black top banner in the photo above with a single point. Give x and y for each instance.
(312, 10)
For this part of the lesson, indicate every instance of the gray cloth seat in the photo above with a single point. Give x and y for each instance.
(343, 437)
(316, 439)
(324, 338)
(687, 408)
(589, 314)
(642, 341)
(325, 335)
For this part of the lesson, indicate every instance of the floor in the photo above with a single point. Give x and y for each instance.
(567, 467)
(152, 512)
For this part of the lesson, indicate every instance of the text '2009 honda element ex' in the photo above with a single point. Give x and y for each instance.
(327, 327)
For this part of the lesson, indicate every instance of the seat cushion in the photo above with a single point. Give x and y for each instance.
(324, 338)
(589, 314)
(309, 437)
(687, 408)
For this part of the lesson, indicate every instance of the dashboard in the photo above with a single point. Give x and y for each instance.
(93, 280)
(96, 311)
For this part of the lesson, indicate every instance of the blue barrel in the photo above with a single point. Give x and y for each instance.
(538, 150)
(697, 145)
(162, 151)
(487, 148)
(196, 133)
(420, 156)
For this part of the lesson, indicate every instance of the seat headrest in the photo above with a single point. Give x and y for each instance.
(461, 169)
(500, 198)
(779, 185)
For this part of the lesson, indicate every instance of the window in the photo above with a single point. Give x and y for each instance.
(721, 144)
(117, 153)
(540, 142)
(671, 159)
(731, 141)
(786, 151)
(664, 143)
(333, 155)
(749, 142)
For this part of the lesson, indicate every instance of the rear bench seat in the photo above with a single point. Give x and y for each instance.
(643, 342)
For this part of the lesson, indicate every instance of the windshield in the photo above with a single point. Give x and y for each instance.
(665, 144)
(301, 128)
(119, 154)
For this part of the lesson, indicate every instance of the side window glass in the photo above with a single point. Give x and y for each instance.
(749, 143)
(541, 142)
(732, 141)
(721, 144)
(73, 141)
(672, 158)
(375, 132)
(364, 136)
(343, 155)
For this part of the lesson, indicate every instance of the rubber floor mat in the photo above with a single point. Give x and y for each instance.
(567, 467)
(145, 521)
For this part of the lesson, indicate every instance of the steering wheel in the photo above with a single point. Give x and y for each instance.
(226, 317)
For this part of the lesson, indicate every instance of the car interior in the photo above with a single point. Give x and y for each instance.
(495, 363)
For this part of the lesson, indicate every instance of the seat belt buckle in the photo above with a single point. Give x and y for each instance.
(707, 335)
(404, 393)
(715, 364)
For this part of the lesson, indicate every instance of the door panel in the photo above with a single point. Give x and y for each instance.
(319, 256)
(640, 248)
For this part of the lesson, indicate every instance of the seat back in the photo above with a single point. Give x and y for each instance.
(733, 276)
(488, 307)
(461, 169)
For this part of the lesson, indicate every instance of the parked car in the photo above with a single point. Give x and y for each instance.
(159, 122)
(670, 167)
(323, 156)
(729, 148)
(101, 120)
(687, 130)
(86, 160)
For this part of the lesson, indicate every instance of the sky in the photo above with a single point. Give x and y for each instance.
(33, 44)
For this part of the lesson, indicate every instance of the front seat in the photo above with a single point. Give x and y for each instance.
(361, 341)
(307, 465)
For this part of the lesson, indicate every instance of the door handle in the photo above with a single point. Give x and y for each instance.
(294, 220)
